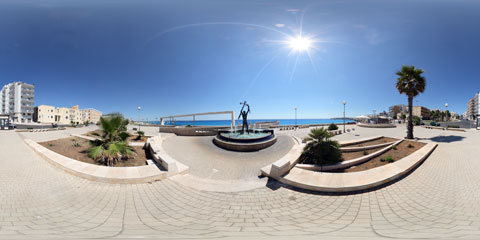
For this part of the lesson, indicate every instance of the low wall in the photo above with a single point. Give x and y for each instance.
(311, 125)
(160, 156)
(192, 131)
(357, 141)
(284, 164)
(376, 125)
(39, 126)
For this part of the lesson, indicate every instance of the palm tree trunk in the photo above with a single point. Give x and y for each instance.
(410, 118)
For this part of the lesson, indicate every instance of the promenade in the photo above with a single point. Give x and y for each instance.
(440, 199)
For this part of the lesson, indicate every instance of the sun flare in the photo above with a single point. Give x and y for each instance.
(300, 44)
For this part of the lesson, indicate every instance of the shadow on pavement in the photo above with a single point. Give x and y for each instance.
(446, 139)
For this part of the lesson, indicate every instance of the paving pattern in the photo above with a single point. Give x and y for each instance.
(208, 161)
(440, 199)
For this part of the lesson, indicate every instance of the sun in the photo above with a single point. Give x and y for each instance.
(300, 44)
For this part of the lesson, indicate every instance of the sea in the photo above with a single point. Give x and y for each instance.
(282, 122)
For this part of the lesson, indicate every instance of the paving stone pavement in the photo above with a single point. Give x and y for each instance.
(440, 199)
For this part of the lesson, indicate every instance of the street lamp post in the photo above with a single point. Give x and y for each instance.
(344, 103)
(139, 108)
(295, 117)
(446, 109)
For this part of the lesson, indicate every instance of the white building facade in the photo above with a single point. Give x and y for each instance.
(17, 100)
(473, 107)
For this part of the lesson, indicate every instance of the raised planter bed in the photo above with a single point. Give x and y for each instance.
(164, 168)
(348, 163)
(355, 181)
(139, 174)
(65, 147)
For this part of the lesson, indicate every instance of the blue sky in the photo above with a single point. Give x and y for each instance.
(178, 57)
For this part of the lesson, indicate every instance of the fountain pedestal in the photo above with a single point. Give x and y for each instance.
(250, 141)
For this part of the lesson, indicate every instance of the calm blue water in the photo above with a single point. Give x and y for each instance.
(228, 122)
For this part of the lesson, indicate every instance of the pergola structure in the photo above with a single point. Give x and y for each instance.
(172, 118)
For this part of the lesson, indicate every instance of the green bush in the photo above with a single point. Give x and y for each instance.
(140, 135)
(433, 123)
(112, 147)
(453, 126)
(76, 144)
(29, 128)
(388, 159)
(332, 127)
(51, 144)
(320, 148)
(410, 146)
(394, 147)
(188, 125)
(365, 152)
(416, 120)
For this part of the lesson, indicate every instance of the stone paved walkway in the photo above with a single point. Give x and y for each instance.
(441, 199)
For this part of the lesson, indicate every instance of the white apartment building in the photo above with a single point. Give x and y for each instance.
(17, 100)
(473, 107)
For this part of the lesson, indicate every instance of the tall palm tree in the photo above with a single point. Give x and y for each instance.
(411, 83)
(112, 146)
(320, 148)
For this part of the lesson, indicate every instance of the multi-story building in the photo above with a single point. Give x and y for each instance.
(394, 110)
(421, 112)
(63, 115)
(473, 106)
(44, 114)
(91, 115)
(17, 100)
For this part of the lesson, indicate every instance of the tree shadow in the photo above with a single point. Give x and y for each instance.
(446, 139)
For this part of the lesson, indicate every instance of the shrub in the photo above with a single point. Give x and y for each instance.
(76, 144)
(365, 152)
(29, 128)
(112, 147)
(51, 144)
(394, 147)
(141, 134)
(320, 149)
(433, 123)
(332, 127)
(188, 125)
(453, 126)
(410, 146)
(388, 159)
(416, 120)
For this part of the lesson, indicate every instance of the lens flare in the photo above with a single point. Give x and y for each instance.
(300, 44)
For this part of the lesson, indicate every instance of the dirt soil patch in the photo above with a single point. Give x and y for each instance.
(352, 155)
(374, 142)
(401, 151)
(65, 147)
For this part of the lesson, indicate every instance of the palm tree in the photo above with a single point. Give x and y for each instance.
(320, 148)
(411, 83)
(112, 146)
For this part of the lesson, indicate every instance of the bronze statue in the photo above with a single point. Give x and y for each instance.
(244, 114)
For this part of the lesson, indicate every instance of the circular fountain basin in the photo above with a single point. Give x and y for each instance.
(253, 140)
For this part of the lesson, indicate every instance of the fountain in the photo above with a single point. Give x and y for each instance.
(244, 140)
